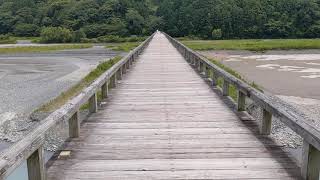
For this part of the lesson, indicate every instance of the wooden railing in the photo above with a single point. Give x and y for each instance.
(271, 105)
(31, 149)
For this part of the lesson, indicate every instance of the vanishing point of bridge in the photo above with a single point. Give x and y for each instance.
(165, 121)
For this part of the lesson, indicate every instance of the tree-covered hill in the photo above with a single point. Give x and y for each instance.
(201, 18)
(242, 18)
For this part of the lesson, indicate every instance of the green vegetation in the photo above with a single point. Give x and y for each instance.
(76, 89)
(249, 19)
(5, 39)
(29, 49)
(206, 19)
(233, 90)
(59, 35)
(253, 45)
(79, 19)
(113, 39)
(126, 47)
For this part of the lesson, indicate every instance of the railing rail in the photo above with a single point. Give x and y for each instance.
(271, 105)
(30, 148)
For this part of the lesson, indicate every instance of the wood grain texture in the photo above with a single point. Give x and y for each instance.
(164, 122)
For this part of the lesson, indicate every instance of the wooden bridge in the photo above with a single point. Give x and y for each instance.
(165, 119)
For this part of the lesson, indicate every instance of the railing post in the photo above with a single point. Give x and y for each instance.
(203, 70)
(74, 126)
(93, 103)
(113, 81)
(105, 90)
(265, 125)
(131, 61)
(310, 167)
(193, 60)
(213, 78)
(128, 64)
(35, 164)
(124, 69)
(199, 66)
(241, 105)
(225, 88)
(207, 72)
(119, 74)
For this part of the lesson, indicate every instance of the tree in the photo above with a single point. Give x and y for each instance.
(28, 30)
(6, 23)
(135, 22)
(56, 35)
(216, 34)
(78, 35)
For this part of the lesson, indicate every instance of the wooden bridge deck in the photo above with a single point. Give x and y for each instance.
(164, 122)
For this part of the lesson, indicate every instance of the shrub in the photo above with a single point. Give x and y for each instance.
(217, 34)
(56, 35)
(78, 35)
(29, 30)
(118, 39)
(6, 39)
(87, 40)
(111, 39)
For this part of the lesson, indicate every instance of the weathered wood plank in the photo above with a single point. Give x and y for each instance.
(164, 122)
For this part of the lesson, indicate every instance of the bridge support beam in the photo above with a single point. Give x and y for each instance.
(310, 168)
(36, 166)
(93, 103)
(74, 126)
(225, 88)
(265, 124)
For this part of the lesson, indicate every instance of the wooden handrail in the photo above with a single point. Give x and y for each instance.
(30, 148)
(271, 105)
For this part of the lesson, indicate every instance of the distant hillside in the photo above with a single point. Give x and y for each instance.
(208, 19)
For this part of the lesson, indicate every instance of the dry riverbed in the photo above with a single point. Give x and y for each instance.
(31, 79)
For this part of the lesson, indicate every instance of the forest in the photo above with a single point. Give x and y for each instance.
(205, 19)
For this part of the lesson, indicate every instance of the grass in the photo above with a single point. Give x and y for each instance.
(126, 47)
(232, 89)
(30, 49)
(64, 97)
(253, 44)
